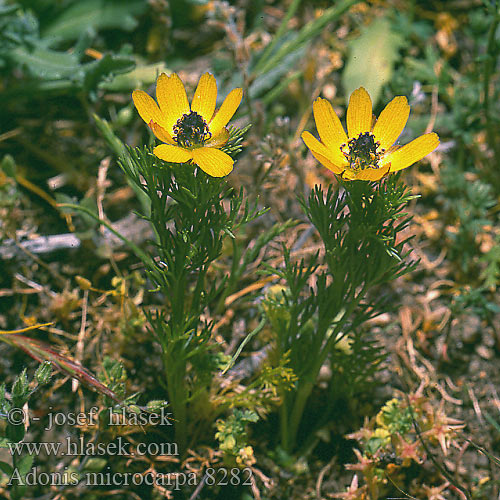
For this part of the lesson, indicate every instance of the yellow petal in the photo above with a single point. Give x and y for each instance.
(317, 147)
(327, 163)
(329, 128)
(213, 161)
(218, 140)
(348, 175)
(359, 113)
(146, 106)
(226, 111)
(372, 174)
(173, 154)
(412, 152)
(161, 133)
(391, 122)
(205, 96)
(172, 98)
(321, 153)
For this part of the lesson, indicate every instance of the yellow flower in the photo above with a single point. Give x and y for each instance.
(367, 153)
(190, 133)
(245, 457)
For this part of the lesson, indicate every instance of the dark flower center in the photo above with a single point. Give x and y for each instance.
(191, 130)
(362, 152)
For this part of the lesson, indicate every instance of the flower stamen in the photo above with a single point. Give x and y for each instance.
(191, 130)
(362, 152)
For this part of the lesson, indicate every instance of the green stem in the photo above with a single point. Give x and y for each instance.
(175, 374)
(286, 438)
(198, 290)
(276, 91)
(306, 385)
(233, 277)
(305, 388)
(281, 31)
(247, 339)
(353, 303)
(285, 433)
(489, 64)
(177, 303)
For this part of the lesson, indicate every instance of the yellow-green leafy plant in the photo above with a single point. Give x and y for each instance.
(396, 443)
(232, 436)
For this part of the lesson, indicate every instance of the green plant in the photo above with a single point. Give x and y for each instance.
(359, 224)
(232, 436)
(13, 413)
(398, 438)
